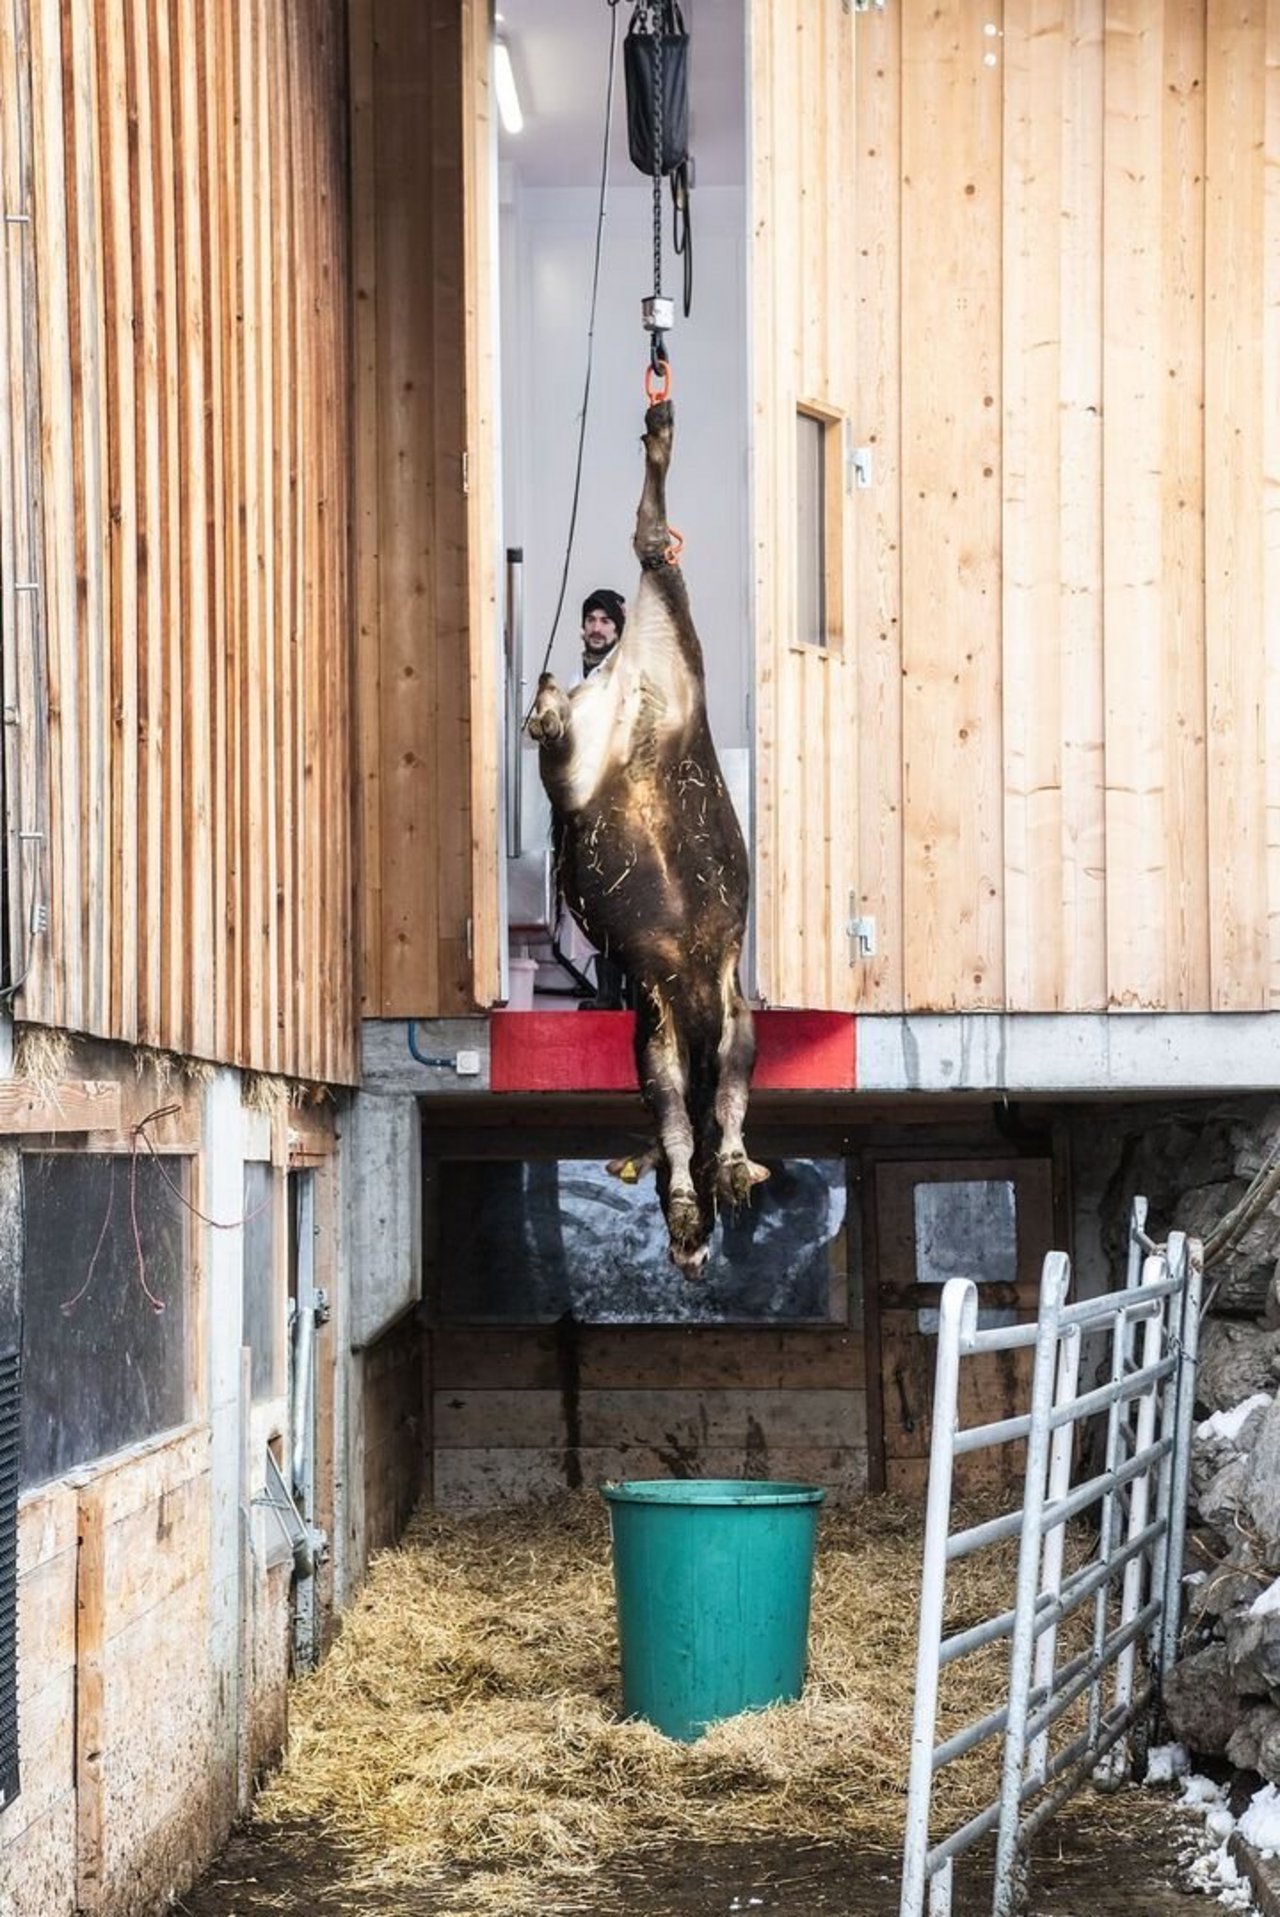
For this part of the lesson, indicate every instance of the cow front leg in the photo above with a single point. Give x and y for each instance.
(653, 535)
(549, 720)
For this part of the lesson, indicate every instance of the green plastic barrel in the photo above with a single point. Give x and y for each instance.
(713, 1578)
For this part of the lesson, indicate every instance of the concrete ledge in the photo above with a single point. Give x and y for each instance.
(1070, 1052)
(1022, 1053)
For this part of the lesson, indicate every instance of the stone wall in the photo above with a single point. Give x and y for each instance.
(1213, 1172)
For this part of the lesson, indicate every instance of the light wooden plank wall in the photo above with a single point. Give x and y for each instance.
(803, 302)
(180, 397)
(1074, 406)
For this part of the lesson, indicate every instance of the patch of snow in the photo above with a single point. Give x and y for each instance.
(1228, 1424)
(1268, 1600)
(1216, 1873)
(1260, 1824)
(1167, 1761)
(1201, 1793)
(1209, 1865)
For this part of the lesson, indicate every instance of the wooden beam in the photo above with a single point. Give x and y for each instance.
(83, 1105)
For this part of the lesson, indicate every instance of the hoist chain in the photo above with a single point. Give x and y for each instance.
(658, 156)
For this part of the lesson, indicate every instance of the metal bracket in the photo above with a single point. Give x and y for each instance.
(861, 462)
(867, 6)
(861, 933)
(307, 1543)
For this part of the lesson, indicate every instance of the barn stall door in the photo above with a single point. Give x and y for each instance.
(990, 1220)
(425, 528)
(803, 472)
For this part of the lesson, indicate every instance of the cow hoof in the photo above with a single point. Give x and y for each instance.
(689, 1263)
(735, 1175)
(545, 727)
(685, 1229)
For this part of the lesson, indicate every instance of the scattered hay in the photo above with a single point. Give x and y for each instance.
(170, 1068)
(266, 1092)
(42, 1058)
(466, 1719)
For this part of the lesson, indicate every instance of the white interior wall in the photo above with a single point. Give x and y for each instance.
(547, 242)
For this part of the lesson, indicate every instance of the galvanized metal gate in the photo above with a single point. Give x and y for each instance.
(1060, 1722)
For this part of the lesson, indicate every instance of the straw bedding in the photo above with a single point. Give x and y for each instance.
(467, 1718)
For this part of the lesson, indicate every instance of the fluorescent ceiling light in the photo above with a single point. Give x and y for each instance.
(504, 81)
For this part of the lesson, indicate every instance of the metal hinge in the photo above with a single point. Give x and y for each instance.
(470, 938)
(466, 472)
(860, 467)
(865, 6)
(860, 932)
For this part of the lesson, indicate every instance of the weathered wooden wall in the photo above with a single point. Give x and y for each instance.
(510, 1421)
(426, 530)
(174, 462)
(115, 1736)
(40, 1827)
(392, 1430)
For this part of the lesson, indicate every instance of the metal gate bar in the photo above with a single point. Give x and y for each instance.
(1131, 1579)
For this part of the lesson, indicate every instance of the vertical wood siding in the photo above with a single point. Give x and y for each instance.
(186, 421)
(1059, 226)
(804, 336)
(425, 535)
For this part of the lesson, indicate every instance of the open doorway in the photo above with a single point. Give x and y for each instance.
(549, 180)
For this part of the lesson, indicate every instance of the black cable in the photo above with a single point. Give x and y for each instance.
(591, 338)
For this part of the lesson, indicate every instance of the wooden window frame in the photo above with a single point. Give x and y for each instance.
(831, 531)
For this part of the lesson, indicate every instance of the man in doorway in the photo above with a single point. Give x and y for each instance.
(604, 614)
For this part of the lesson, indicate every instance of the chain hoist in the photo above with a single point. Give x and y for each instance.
(656, 56)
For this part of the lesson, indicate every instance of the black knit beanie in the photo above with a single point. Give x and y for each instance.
(607, 602)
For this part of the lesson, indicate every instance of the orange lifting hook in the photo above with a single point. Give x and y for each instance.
(652, 391)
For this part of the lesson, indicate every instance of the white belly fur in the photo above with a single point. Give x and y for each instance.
(607, 706)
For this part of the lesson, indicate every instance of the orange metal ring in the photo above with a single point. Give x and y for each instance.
(652, 392)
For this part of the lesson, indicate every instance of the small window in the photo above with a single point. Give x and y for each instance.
(262, 1298)
(819, 542)
(104, 1329)
(967, 1229)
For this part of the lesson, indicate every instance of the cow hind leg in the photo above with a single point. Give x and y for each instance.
(663, 1082)
(653, 535)
(735, 1173)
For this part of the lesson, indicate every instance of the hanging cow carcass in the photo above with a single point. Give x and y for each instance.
(652, 864)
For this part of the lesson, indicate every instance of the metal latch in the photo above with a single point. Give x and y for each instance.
(861, 933)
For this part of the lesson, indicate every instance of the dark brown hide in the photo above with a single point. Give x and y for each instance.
(652, 865)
